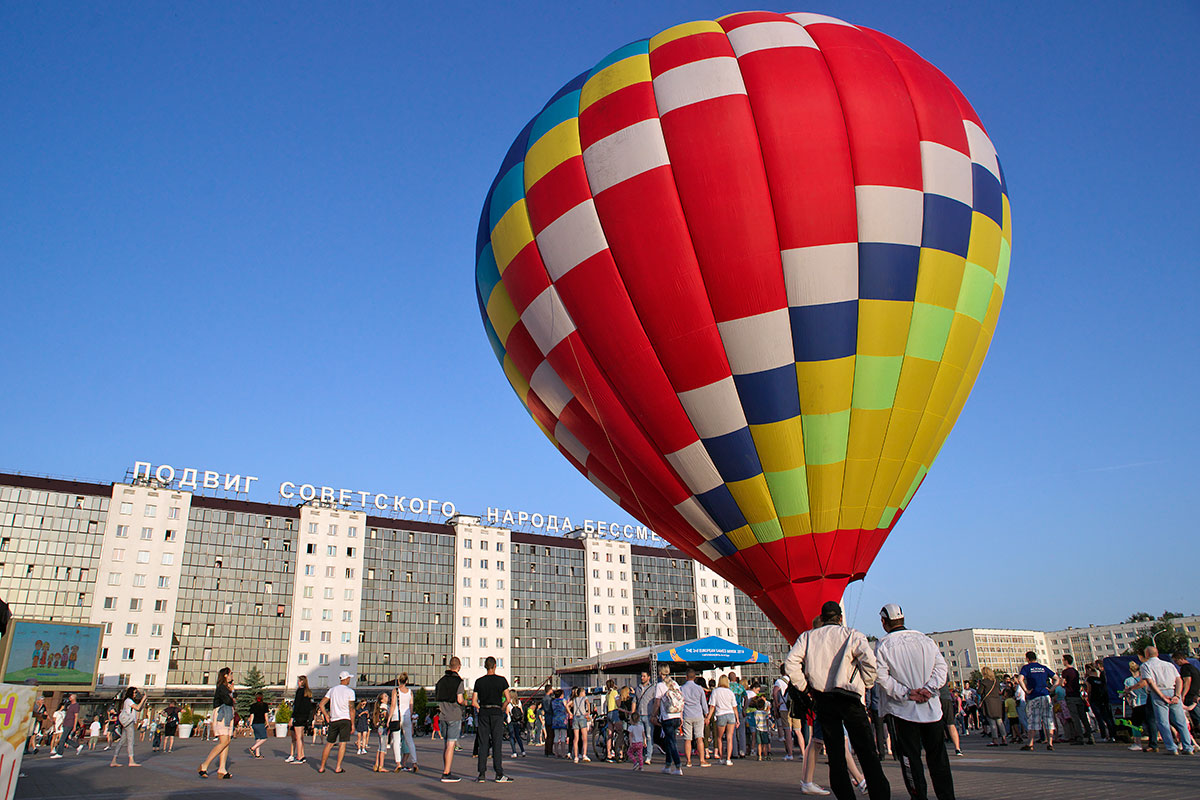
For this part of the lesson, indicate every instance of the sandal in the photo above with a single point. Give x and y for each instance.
(203, 773)
(339, 770)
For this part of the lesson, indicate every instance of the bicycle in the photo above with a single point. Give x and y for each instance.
(602, 730)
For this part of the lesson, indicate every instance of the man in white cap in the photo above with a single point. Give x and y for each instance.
(910, 672)
(337, 703)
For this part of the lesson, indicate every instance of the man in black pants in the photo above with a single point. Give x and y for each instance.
(911, 670)
(491, 709)
(836, 662)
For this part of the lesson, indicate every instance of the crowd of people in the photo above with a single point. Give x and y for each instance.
(836, 694)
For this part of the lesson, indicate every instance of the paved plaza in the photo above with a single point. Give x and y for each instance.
(1103, 771)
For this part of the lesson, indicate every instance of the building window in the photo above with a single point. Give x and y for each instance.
(122, 531)
(164, 581)
(160, 606)
(151, 510)
(147, 533)
(118, 554)
(152, 655)
(333, 530)
(305, 636)
(135, 604)
(131, 629)
(302, 658)
(323, 659)
(126, 508)
(156, 629)
(127, 654)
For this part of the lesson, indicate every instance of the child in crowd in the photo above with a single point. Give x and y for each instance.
(762, 723)
(94, 733)
(380, 721)
(1010, 715)
(637, 744)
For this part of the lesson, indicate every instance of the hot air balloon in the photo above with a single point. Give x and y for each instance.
(743, 275)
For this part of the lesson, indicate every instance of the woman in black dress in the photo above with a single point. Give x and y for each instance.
(302, 715)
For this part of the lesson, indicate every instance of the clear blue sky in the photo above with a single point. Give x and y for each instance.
(241, 236)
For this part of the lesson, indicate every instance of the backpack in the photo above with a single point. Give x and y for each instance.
(126, 716)
(799, 703)
(674, 698)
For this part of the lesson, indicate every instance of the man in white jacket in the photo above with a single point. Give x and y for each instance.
(836, 662)
(910, 672)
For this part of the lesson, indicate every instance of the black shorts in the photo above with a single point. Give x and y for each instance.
(948, 713)
(339, 731)
(170, 729)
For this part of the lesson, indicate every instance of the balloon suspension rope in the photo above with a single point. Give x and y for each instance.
(604, 428)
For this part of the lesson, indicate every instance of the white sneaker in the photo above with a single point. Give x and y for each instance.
(668, 770)
(56, 755)
(728, 763)
(585, 758)
(677, 771)
(787, 758)
(1136, 747)
(576, 759)
(79, 750)
(812, 788)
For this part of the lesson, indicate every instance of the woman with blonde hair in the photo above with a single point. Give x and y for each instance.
(992, 697)
(724, 704)
(402, 725)
(1142, 715)
(222, 724)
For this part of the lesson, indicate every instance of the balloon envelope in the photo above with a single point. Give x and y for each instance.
(743, 275)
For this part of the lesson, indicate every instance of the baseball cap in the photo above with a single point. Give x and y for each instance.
(343, 675)
(891, 612)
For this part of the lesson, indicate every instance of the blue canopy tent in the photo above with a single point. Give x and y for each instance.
(1116, 670)
(709, 652)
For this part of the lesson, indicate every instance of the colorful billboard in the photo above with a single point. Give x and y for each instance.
(52, 655)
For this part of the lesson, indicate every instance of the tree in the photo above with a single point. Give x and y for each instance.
(1170, 615)
(1140, 616)
(420, 702)
(253, 685)
(1162, 635)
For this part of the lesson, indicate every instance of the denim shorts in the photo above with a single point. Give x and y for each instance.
(451, 729)
(726, 719)
(260, 730)
(579, 723)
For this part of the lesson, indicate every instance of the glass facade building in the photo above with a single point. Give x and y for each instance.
(50, 539)
(407, 601)
(664, 597)
(549, 617)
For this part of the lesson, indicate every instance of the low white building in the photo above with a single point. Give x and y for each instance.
(1102, 641)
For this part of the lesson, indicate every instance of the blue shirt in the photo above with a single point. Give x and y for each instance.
(1037, 679)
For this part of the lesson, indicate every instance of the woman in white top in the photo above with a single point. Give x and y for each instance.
(402, 712)
(128, 719)
(724, 704)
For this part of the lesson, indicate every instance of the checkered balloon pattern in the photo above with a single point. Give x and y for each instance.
(743, 275)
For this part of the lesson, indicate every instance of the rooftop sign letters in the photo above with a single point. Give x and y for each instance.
(197, 480)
